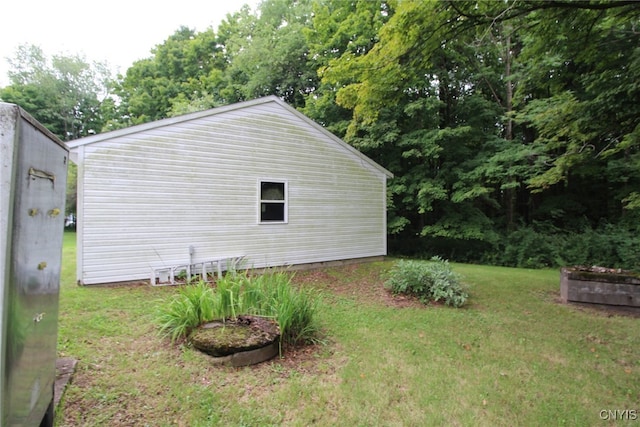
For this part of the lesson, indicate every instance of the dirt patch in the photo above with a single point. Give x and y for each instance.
(601, 309)
(349, 282)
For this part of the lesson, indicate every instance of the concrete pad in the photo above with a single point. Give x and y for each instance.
(65, 367)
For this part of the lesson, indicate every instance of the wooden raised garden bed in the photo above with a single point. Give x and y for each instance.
(602, 286)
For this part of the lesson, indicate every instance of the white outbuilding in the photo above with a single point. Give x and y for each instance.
(256, 181)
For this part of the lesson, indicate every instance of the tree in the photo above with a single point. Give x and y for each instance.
(488, 114)
(270, 55)
(415, 98)
(63, 92)
(250, 57)
(186, 68)
(576, 79)
(581, 101)
(341, 32)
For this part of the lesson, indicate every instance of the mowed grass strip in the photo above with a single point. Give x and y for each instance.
(512, 356)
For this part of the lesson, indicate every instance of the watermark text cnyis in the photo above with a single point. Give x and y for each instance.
(619, 414)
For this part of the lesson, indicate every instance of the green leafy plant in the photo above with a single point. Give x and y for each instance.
(294, 309)
(193, 305)
(269, 295)
(544, 246)
(445, 284)
(429, 281)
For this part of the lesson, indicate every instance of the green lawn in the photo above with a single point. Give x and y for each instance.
(512, 356)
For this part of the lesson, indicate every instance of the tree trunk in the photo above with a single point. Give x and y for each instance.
(510, 193)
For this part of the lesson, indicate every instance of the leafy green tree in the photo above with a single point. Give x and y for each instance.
(274, 59)
(415, 98)
(234, 35)
(63, 92)
(576, 66)
(340, 32)
(185, 68)
(488, 121)
(581, 101)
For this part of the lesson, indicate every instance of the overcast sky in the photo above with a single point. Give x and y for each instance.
(116, 31)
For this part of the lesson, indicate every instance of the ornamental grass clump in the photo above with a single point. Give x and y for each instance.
(428, 281)
(192, 306)
(269, 295)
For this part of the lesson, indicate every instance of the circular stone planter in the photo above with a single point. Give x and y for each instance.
(246, 340)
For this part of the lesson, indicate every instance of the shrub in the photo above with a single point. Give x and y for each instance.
(429, 281)
(529, 247)
(543, 246)
(269, 295)
(445, 284)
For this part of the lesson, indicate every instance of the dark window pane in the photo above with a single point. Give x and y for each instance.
(272, 191)
(272, 212)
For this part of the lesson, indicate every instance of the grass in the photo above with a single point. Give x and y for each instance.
(512, 356)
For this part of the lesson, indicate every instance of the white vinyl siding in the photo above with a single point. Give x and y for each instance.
(145, 197)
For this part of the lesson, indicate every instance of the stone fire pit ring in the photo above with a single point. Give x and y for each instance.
(245, 340)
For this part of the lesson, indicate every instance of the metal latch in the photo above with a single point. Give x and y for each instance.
(37, 173)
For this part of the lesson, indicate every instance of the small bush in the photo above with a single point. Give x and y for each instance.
(529, 248)
(269, 295)
(429, 281)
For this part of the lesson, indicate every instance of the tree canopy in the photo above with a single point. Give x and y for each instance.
(64, 93)
(512, 128)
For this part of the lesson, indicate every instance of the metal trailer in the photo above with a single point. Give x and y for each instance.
(33, 178)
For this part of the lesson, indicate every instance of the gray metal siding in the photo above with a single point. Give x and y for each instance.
(146, 197)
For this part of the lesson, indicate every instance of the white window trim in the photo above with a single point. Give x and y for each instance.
(260, 201)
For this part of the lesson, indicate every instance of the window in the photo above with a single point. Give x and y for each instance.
(273, 201)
